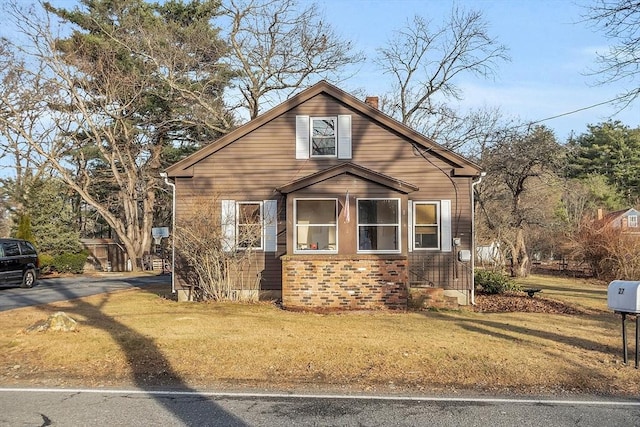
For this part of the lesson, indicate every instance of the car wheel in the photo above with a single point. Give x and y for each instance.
(29, 279)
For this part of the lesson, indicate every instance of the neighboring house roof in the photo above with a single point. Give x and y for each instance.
(462, 166)
(611, 216)
(352, 169)
(614, 219)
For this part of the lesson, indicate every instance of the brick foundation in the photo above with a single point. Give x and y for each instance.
(344, 282)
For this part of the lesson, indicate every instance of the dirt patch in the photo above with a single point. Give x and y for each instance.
(518, 302)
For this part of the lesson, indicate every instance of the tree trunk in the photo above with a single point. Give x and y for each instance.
(520, 263)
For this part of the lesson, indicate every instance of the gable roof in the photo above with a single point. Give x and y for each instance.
(352, 169)
(612, 216)
(462, 166)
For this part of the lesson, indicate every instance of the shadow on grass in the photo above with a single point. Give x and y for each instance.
(579, 377)
(600, 293)
(489, 327)
(150, 369)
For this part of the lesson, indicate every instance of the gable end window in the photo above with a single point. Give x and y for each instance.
(323, 137)
(632, 221)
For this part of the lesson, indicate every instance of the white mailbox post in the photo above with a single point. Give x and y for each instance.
(623, 296)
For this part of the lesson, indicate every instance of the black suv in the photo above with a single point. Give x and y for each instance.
(19, 264)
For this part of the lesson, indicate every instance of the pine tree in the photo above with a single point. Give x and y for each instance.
(130, 79)
(612, 150)
(24, 227)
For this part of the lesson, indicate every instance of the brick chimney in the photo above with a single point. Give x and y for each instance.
(372, 101)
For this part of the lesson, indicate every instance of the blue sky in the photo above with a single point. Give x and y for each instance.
(551, 53)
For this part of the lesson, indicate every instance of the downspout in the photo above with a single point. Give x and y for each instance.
(173, 230)
(473, 237)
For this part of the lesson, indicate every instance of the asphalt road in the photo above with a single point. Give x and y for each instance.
(59, 289)
(24, 407)
(60, 407)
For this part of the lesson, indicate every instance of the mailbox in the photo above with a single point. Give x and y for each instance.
(624, 296)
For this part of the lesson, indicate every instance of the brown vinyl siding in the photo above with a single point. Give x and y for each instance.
(336, 188)
(252, 167)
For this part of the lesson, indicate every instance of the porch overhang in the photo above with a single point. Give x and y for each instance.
(351, 169)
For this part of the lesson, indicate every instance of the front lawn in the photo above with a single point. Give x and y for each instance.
(141, 338)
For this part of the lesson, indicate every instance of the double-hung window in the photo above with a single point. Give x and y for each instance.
(426, 225)
(249, 225)
(632, 221)
(378, 225)
(316, 225)
(430, 226)
(324, 136)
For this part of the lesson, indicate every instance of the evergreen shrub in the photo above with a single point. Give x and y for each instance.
(70, 262)
(494, 282)
(46, 263)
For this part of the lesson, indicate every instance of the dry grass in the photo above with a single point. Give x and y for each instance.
(586, 293)
(140, 338)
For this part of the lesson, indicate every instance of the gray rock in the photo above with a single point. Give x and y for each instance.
(59, 321)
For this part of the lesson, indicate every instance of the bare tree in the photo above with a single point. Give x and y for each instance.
(612, 253)
(278, 48)
(105, 105)
(619, 20)
(14, 149)
(512, 197)
(213, 267)
(470, 133)
(426, 63)
(582, 197)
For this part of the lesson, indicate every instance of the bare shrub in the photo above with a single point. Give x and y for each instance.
(213, 266)
(611, 252)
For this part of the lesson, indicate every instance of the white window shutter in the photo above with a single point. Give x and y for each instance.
(270, 212)
(344, 137)
(412, 236)
(302, 137)
(445, 225)
(228, 221)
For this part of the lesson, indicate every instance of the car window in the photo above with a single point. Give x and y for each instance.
(27, 248)
(11, 248)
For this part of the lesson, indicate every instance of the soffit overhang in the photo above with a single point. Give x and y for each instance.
(350, 169)
(461, 165)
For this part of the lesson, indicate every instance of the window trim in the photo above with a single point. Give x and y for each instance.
(237, 225)
(335, 137)
(415, 224)
(398, 226)
(295, 227)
